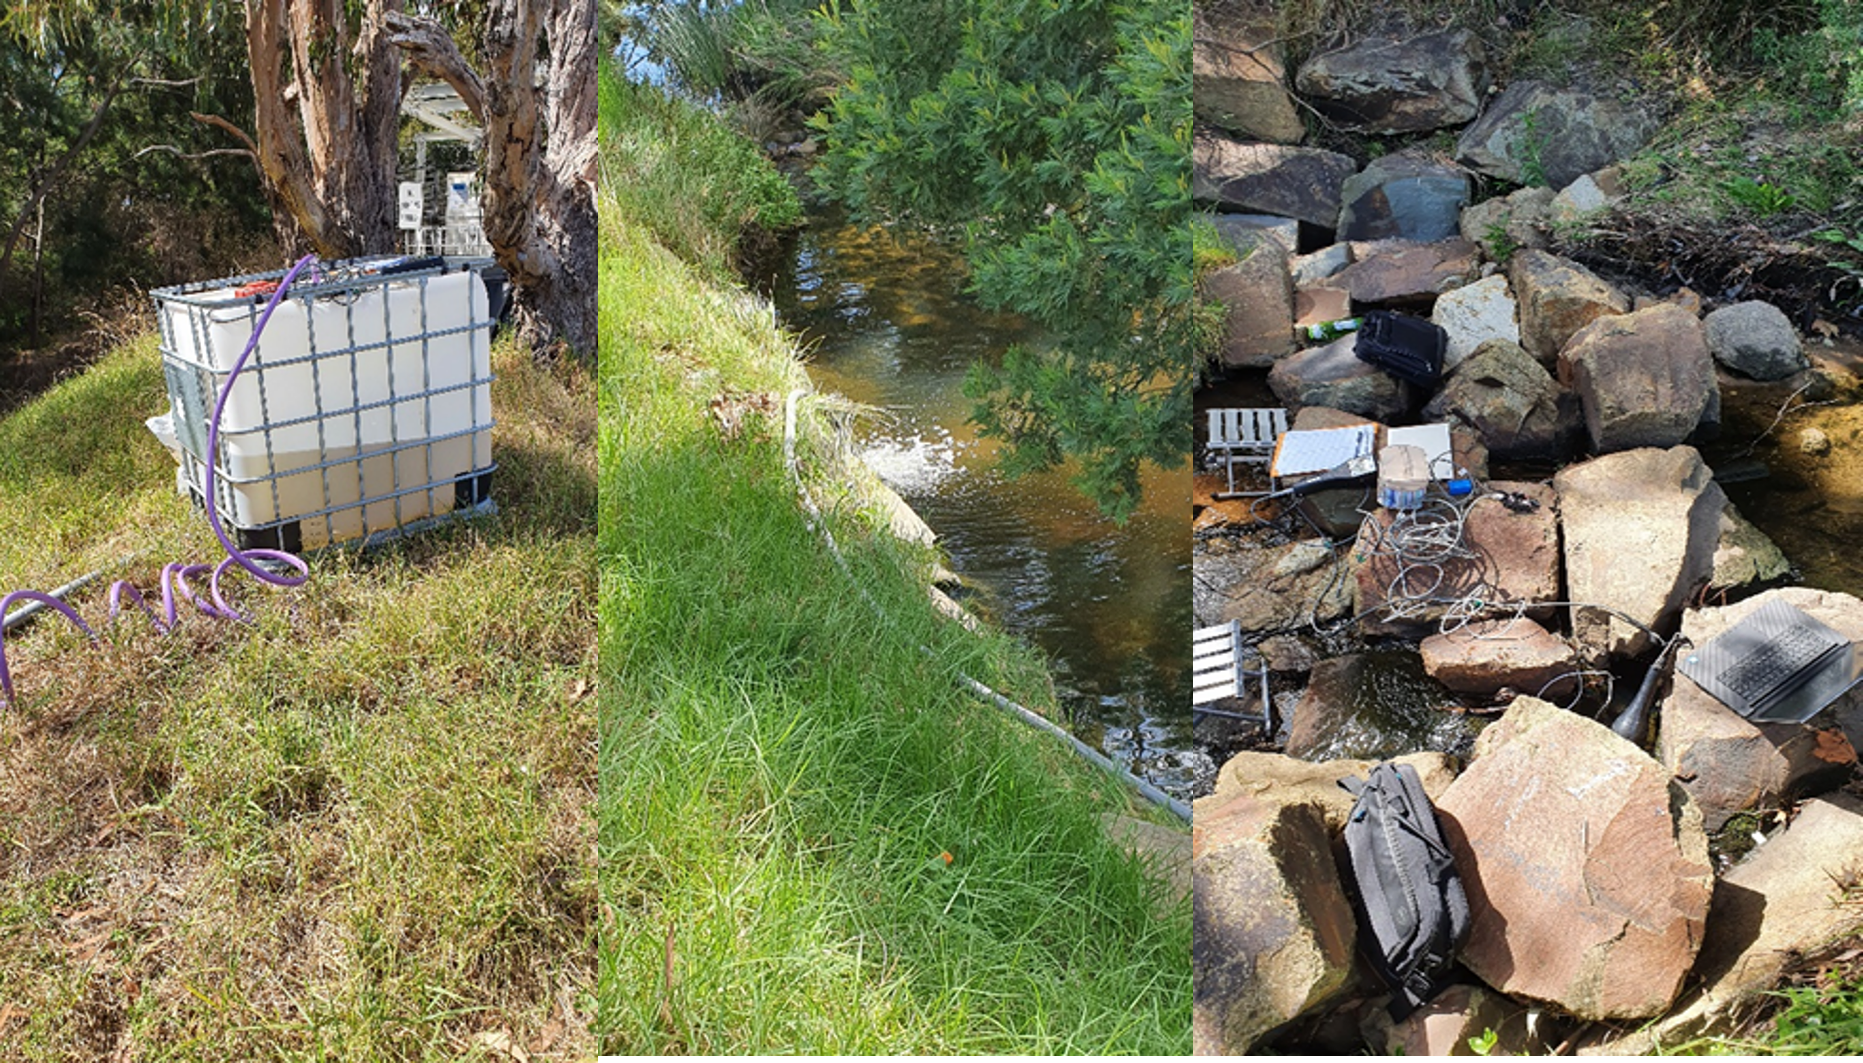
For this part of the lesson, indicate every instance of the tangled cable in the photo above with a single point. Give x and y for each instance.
(175, 574)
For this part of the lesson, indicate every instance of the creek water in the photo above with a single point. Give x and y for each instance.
(888, 324)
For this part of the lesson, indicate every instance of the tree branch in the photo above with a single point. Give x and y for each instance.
(43, 185)
(430, 49)
(220, 123)
(177, 152)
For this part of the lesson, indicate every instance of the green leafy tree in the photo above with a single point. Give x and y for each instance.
(1054, 139)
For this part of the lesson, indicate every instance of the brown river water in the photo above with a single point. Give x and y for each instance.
(887, 323)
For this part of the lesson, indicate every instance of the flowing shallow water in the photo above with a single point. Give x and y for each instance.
(889, 326)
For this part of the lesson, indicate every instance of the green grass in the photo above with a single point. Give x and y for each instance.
(783, 775)
(695, 184)
(357, 828)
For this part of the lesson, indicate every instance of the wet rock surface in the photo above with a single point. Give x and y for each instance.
(1372, 706)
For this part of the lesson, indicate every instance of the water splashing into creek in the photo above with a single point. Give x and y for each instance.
(887, 324)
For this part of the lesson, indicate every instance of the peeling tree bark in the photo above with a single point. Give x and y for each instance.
(539, 154)
(330, 159)
(328, 98)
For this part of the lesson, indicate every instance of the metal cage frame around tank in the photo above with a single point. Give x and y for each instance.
(193, 386)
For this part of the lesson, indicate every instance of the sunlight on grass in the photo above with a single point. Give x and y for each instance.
(810, 840)
(358, 827)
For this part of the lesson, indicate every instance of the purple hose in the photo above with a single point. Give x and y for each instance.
(175, 574)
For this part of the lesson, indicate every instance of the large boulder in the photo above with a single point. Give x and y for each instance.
(1788, 898)
(1382, 85)
(1535, 134)
(1474, 314)
(1400, 273)
(1404, 197)
(1755, 339)
(1556, 299)
(1332, 375)
(1511, 402)
(1513, 558)
(1586, 866)
(1237, 81)
(1732, 765)
(1488, 656)
(1640, 528)
(1276, 179)
(1274, 932)
(1257, 295)
(1643, 379)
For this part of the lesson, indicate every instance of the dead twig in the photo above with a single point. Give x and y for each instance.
(1784, 408)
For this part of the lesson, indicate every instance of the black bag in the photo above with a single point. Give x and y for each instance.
(1408, 348)
(1409, 893)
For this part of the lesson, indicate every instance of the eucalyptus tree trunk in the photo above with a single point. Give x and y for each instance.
(538, 109)
(327, 87)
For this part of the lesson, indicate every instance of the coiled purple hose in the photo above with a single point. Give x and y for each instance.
(175, 574)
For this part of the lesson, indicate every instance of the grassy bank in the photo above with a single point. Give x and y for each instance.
(810, 840)
(358, 828)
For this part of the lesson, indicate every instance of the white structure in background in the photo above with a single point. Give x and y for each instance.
(439, 108)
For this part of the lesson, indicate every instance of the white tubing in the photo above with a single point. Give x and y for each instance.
(1033, 719)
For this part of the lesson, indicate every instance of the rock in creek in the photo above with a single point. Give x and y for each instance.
(1511, 402)
(1731, 765)
(1276, 179)
(1641, 528)
(1490, 655)
(1272, 928)
(1474, 314)
(1643, 379)
(1557, 298)
(1515, 560)
(1400, 273)
(1786, 899)
(1266, 588)
(1332, 375)
(1744, 556)
(1237, 82)
(1535, 134)
(1755, 339)
(1402, 197)
(1281, 779)
(1586, 865)
(1258, 298)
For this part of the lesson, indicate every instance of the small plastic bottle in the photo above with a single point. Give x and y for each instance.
(1332, 330)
